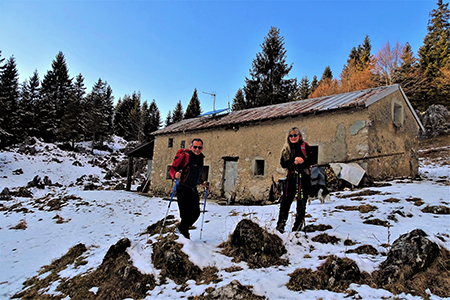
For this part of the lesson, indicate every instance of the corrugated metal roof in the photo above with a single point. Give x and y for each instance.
(289, 109)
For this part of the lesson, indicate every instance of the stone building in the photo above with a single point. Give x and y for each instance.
(376, 128)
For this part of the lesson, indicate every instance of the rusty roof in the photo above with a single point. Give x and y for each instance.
(361, 98)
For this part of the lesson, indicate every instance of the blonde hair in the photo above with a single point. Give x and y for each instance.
(286, 151)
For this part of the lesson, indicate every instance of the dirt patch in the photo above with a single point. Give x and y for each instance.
(175, 264)
(364, 249)
(233, 290)
(417, 201)
(437, 210)
(391, 200)
(335, 274)
(115, 278)
(326, 239)
(155, 228)
(377, 222)
(254, 245)
(313, 228)
(359, 194)
(364, 208)
(22, 225)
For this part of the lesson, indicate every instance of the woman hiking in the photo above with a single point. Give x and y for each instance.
(296, 157)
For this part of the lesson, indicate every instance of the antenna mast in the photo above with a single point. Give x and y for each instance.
(214, 103)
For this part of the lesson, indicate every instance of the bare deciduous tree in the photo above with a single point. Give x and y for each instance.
(386, 60)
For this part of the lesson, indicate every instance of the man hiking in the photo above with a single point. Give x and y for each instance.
(187, 168)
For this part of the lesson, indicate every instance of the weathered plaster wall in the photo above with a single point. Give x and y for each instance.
(339, 135)
(387, 137)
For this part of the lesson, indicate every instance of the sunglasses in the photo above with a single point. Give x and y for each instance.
(197, 147)
(293, 135)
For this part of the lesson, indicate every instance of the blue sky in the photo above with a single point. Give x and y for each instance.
(166, 49)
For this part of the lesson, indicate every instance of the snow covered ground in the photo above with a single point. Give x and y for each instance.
(99, 219)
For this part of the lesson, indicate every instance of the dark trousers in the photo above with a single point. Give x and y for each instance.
(188, 204)
(288, 198)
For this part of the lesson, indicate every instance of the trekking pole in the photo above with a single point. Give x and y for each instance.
(171, 197)
(204, 207)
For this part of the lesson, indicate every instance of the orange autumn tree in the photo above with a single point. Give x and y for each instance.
(358, 74)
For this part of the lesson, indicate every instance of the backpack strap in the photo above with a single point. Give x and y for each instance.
(307, 170)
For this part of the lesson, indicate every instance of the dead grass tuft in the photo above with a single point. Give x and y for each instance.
(436, 278)
(320, 227)
(22, 225)
(326, 239)
(392, 200)
(359, 194)
(335, 274)
(364, 249)
(254, 245)
(437, 210)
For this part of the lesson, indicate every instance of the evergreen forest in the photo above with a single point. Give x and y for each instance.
(58, 108)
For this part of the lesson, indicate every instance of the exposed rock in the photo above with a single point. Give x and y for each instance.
(231, 291)
(173, 263)
(436, 120)
(5, 194)
(335, 274)
(122, 168)
(36, 182)
(437, 210)
(23, 192)
(18, 172)
(412, 251)
(254, 245)
(364, 249)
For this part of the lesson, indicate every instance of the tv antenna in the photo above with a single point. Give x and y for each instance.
(214, 103)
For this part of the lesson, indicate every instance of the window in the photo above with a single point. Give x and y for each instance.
(183, 144)
(259, 167)
(170, 144)
(168, 173)
(315, 154)
(205, 173)
(398, 115)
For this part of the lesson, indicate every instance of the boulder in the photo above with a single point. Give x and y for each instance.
(410, 253)
(436, 120)
(254, 245)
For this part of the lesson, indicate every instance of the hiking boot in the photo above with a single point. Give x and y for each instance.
(297, 226)
(185, 234)
(280, 229)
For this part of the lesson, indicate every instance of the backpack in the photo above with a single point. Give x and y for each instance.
(179, 161)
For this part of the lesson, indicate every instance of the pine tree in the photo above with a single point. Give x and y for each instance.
(327, 74)
(168, 121)
(434, 55)
(29, 98)
(193, 109)
(135, 131)
(9, 97)
(155, 117)
(357, 74)
(151, 119)
(72, 129)
(99, 116)
(55, 92)
(2, 66)
(267, 84)
(411, 78)
(238, 100)
(304, 88)
(123, 125)
(314, 83)
(177, 114)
